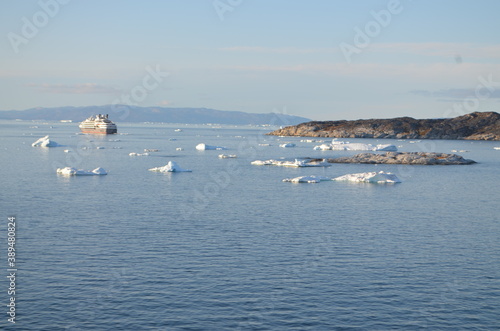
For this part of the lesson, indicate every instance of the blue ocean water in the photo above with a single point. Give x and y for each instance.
(230, 246)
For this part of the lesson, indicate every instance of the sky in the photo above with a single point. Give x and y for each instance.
(321, 59)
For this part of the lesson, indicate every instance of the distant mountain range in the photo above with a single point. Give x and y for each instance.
(123, 113)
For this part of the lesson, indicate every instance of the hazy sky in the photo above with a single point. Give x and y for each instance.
(323, 59)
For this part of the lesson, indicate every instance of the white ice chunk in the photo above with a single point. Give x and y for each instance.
(170, 167)
(387, 148)
(346, 146)
(205, 147)
(297, 163)
(138, 154)
(99, 171)
(69, 171)
(45, 142)
(267, 162)
(307, 179)
(370, 177)
(287, 145)
(227, 156)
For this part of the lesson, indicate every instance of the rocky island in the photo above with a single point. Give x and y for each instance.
(473, 126)
(421, 158)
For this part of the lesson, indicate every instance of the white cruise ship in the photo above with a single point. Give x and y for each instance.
(98, 124)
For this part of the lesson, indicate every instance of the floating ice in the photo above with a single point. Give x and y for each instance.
(179, 149)
(45, 142)
(497, 148)
(138, 154)
(69, 171)
(370, 177)
(150, 150)
(227, 156)
(297, 163)
(307, 179)
(205, 147)
(170, 167)
(267, 162)
(287, 145)
(311, 141)
(337, 145)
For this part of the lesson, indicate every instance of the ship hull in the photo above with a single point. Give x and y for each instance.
(99, 131)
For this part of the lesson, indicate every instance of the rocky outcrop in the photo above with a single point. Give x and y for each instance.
(404, 158)
(474, 126)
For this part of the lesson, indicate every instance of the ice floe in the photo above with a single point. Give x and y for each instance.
(497, 148)
(69, 171)
(297, 163)
(179, 149)
(205, 147)
(338, 145)
(147, 150)
(170, 167)
(307, 179)
(138, 154)
(370, 177)
(227, 156)
(311, 141)
(287, 145)
(45, 142)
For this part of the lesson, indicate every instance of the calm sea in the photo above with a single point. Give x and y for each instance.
(230, 246)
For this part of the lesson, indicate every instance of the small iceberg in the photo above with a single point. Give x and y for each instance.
(267, 162)
(138, 154)
(205, 147)
(69, 171)
(227, 156)
(287, 145)
(147, 150)
(337, 145)
(170, 167)
(497, 148)
(179, 149)
(370, 177)
(297, 163)
(307, 179)
(45, 142)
